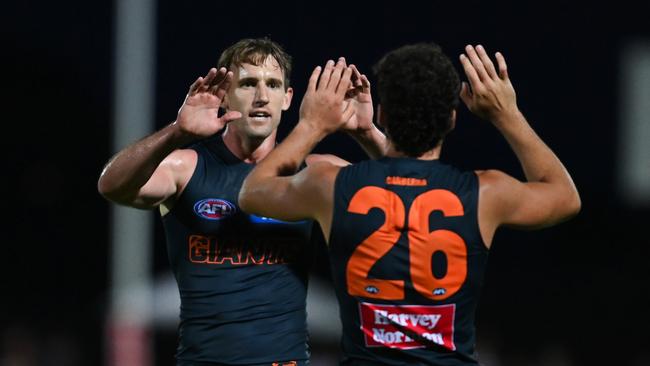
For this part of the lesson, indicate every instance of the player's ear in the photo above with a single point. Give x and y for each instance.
(453, 120)
(288, 95)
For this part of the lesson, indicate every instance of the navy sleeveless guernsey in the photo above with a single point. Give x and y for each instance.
(242, 278)
(407, 262)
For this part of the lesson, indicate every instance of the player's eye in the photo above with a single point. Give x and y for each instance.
(274, 84)
(248, 83)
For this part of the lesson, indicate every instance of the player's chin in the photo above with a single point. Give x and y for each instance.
(262, 126)
(259, 132)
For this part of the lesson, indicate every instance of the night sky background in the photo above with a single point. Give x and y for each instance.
(580, 288)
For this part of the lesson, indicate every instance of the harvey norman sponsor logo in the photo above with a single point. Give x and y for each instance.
(407, 326)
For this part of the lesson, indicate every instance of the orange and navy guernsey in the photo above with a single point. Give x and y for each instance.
(407, 262)
(242, 278)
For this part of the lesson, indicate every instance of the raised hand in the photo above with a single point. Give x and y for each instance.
(490, 94)
(198, 116)
(322, 106)
(360, 100)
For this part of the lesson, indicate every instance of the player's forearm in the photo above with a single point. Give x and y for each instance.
(538, 161)
(265, 181)
(128, 170)
(286, 158)
(373, 142)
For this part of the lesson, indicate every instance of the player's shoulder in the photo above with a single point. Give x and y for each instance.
(492, 176)
(313, 159)
(496, 183)
(180, 164)
(323, 169)
(182, 158)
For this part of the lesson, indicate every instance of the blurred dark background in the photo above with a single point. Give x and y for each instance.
(574, 294)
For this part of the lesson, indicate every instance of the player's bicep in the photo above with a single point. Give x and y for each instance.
(157, 189)
(524, 205)
(537, 206)
(297, 197)
(169, 178)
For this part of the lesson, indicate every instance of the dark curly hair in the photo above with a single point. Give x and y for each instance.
(255, 51)
(418, 90)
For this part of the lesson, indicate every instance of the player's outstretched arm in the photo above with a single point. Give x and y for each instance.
(268, 190)
(151, 170)
(549, 195)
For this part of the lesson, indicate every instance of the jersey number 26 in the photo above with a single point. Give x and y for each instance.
(422, 244)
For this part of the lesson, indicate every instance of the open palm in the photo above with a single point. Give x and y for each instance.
(199, 114)
(360, 100)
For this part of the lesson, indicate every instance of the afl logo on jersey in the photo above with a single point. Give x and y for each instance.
(214, 209)
(439, 291)
(372, 289)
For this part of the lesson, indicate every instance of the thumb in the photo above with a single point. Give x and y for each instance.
(230, 116)
(348, 112)
(465, 93)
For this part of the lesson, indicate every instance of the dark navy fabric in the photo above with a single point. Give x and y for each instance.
(408, 179)
(242, 279)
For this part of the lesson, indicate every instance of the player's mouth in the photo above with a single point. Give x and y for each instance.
(260, 116)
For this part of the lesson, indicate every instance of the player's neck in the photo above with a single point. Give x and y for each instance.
(432, 154)
(249, 150)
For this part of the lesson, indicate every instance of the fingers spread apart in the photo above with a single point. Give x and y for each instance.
(480, 69)
(215, 82)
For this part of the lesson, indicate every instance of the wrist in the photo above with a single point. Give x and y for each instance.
(311, 131)
(509, 119)
(363, 133)
(178, 135)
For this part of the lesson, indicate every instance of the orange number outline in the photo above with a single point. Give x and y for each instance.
(422, 245)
